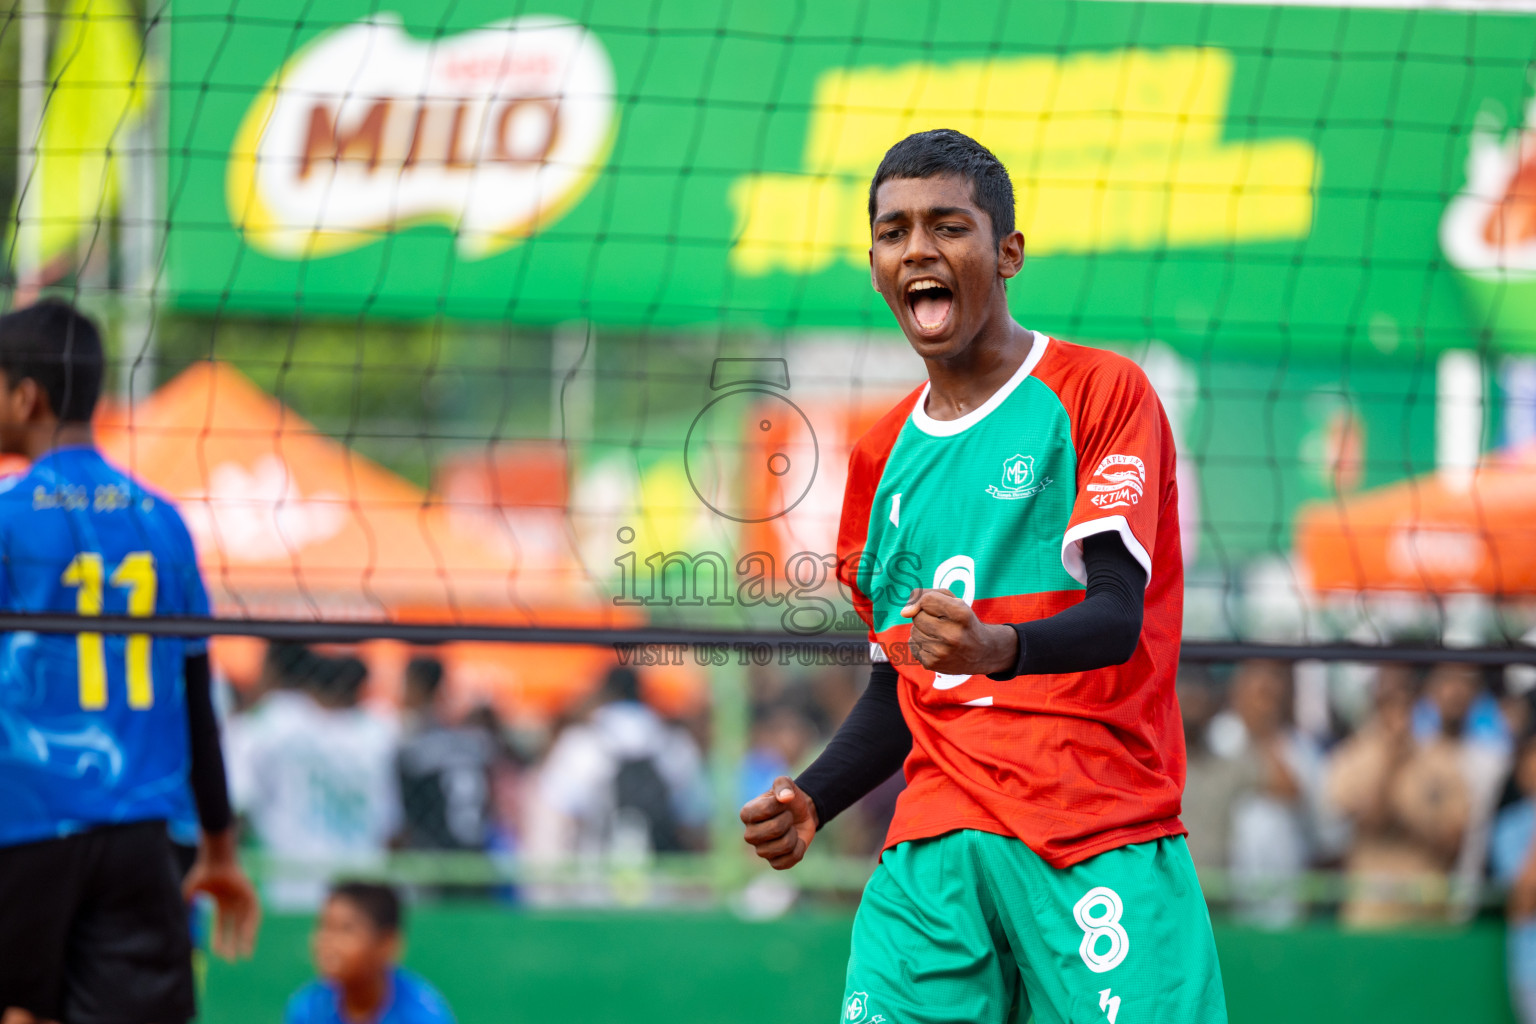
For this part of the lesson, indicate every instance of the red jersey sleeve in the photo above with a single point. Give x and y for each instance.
(1123, 456)
(853, 528)
(866, 464)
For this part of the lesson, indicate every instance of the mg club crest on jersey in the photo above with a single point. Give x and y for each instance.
(1019, 480)
(494, 133)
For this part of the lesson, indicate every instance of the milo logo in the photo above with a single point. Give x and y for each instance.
(1488, 232)
(494, 132)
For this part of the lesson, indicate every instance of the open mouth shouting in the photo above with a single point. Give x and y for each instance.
(931, 302)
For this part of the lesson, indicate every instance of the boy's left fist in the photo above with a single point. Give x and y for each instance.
(947, 636)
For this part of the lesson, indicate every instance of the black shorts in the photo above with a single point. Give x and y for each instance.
(93, 929)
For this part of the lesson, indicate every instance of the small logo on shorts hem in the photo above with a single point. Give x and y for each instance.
(1109, 1004)
(856, 1010)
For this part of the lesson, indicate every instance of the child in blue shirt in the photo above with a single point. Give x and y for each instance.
(357, 945)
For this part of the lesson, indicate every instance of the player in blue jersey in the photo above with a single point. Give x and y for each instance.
(101, 734)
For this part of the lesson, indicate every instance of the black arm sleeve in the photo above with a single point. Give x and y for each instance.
(209, 787)
(1099, 631)
(868, 748)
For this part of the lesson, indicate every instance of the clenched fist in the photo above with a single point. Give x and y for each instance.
(947, 636)
(780, 823)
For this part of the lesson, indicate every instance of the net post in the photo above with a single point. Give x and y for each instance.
(728, 747)
(31, 99)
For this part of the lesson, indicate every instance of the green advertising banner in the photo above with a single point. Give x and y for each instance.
(1236, 177)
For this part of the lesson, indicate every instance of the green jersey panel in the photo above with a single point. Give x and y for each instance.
(981, 512)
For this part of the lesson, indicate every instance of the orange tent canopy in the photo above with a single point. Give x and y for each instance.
(1431, 534)
(289, 522)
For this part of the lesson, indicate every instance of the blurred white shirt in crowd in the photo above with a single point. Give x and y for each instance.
(317, 784)
(1273, 841)
(577, 780)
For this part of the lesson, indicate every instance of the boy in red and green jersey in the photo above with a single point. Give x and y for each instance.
(1010, 536)
(999, 503)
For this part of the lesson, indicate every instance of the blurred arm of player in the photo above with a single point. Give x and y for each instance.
(217, 871)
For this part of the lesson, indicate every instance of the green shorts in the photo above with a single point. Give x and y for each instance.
(975, 927)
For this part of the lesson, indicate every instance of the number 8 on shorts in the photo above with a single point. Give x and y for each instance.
(1098, 915)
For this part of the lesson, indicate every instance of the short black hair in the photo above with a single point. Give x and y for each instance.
(340, 678)
(379, 903)
(944, 151)
(426, 672)
(291, 665)
(54, 344)
(622, 683)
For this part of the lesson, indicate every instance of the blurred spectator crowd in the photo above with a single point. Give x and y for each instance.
(1412, 787)
(327, 776)
(1395, 793)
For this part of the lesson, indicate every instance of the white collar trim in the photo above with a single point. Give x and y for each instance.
(949, 428)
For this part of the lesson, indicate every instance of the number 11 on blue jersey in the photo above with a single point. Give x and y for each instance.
(135, 574)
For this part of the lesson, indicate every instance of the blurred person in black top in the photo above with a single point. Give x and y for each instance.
(445, 770)
(623, 779)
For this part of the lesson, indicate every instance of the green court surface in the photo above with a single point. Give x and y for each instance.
(498, 965)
